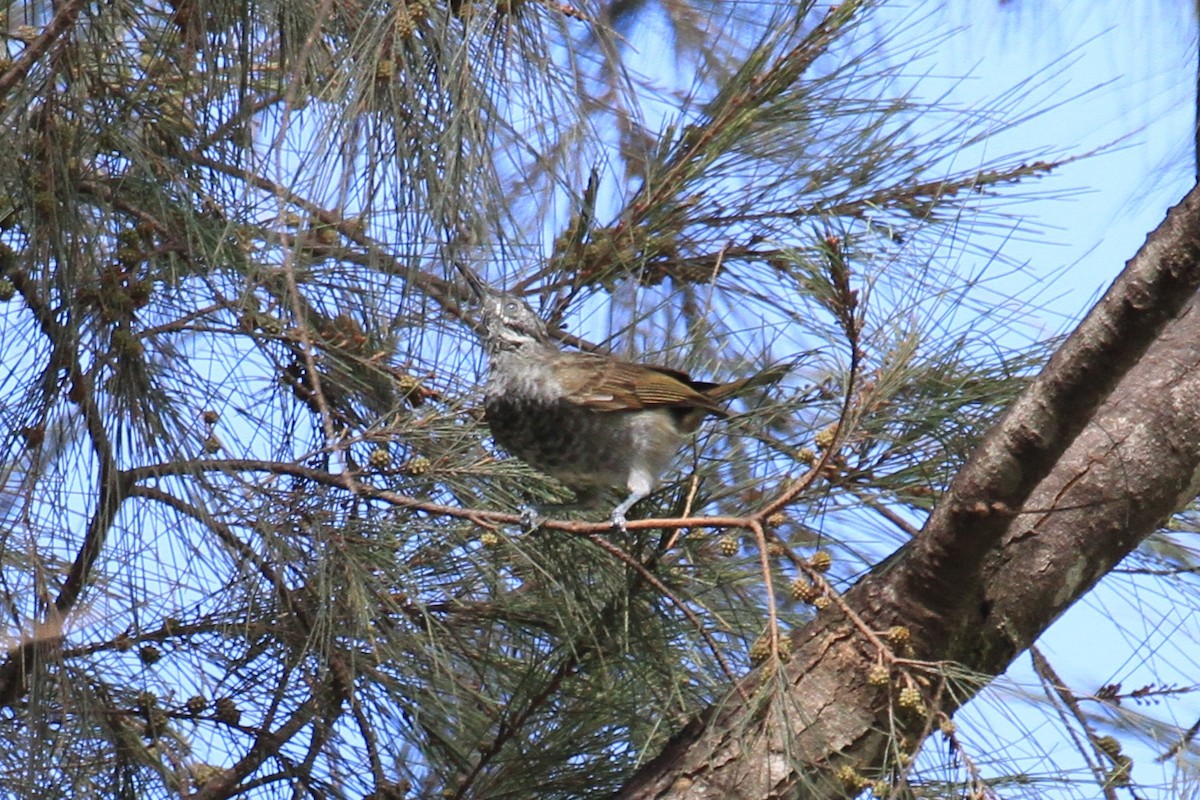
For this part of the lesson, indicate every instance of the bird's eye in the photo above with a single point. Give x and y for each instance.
(510, 307)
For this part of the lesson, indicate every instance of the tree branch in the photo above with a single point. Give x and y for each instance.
(1038, 515)
(111, 489)
(63, 19)
(1031, 437)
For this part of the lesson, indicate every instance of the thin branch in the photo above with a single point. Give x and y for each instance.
(63, 19)
(1052, 683)
(111, 489)
(662, 588)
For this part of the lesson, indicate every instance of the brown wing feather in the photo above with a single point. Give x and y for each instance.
(605, 384)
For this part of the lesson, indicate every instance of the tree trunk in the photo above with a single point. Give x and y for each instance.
(1102, 447)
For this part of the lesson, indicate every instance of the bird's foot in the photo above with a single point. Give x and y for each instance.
(531, 519)
(619, 522)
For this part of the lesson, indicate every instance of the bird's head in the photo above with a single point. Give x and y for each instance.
(510, 322)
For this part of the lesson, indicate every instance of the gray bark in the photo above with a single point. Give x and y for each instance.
(1095, 455)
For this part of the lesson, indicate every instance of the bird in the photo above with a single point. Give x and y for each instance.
(592, 421)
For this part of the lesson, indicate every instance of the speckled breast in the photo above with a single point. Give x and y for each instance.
(579, 447)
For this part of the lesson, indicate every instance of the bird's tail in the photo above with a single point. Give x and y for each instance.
(765, 377)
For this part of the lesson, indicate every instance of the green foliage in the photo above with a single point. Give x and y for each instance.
(244, 542)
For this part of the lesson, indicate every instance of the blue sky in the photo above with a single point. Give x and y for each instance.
(1130, 68)
(1124, 73)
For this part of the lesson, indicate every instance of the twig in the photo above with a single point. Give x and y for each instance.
(650, 578)
(63, 19)
(1051, 682)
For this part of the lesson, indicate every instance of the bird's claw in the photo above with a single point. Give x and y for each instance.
(531, 520)
(619, 522)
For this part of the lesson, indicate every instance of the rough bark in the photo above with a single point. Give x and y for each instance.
(1103, 446)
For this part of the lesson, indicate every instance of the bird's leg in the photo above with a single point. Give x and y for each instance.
(640, 484)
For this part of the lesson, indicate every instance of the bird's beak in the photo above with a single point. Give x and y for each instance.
(478, 287)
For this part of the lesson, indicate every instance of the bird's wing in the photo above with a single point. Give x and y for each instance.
(605, 384)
